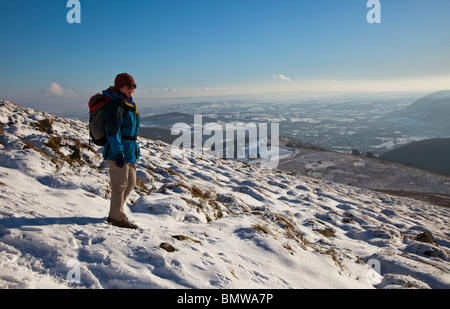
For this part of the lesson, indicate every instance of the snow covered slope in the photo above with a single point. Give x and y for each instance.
(364, 172)
(204, 222)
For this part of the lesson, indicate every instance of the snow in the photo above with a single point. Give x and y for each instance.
(363, 172)
(233, 225)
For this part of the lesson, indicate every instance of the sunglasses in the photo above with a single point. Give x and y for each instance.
(132, 86)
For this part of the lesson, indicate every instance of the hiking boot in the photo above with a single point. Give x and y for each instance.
(125, 223)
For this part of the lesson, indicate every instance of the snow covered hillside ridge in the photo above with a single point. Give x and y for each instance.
(205, 222)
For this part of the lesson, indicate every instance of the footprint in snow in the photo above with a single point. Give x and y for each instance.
(91, 255)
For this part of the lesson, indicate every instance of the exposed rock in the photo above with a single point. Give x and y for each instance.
(167, 247)
(426, 237)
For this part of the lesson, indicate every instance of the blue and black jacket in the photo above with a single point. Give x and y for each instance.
(122, 127)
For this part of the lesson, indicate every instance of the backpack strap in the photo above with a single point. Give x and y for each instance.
(130, 138)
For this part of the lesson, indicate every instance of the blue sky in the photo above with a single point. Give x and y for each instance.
(181, 48)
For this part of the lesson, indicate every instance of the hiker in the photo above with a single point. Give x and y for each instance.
(121, 151)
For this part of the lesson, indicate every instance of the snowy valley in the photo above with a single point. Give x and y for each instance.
(204, 222)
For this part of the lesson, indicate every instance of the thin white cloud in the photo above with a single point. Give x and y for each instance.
(155, 91)
(281, 77)
(56, 89)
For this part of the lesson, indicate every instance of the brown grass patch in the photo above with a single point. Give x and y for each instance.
(262, 228)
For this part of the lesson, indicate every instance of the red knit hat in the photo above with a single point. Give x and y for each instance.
(123, 80)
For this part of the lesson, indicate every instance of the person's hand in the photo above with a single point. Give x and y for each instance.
(120, 161)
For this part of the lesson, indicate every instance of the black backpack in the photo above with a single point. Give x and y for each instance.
(97, 104)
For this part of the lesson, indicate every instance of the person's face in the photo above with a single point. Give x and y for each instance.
(128, 90)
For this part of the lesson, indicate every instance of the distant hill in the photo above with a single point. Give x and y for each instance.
(432, 155)
(157, 134)
(289, 142)
(433, 109)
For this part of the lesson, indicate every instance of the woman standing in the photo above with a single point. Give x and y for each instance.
(121, 152)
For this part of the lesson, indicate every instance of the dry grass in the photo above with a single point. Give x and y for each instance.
(325, 232)
(56, 142)
(262, 228)
(182, 237)
(45, 126)
(141, 188)
(290, 229)
(203, 200)
(335, 258)
(288, 248)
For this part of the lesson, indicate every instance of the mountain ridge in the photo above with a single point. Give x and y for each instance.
(432, 110)
(431, 155)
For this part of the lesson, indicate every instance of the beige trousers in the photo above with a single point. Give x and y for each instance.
(123, 180)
